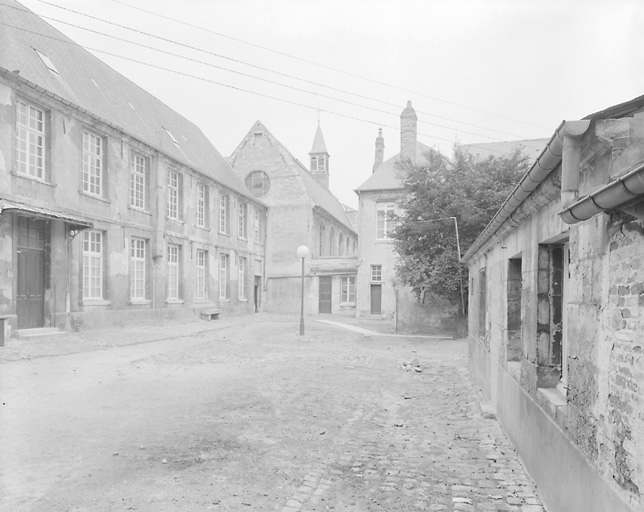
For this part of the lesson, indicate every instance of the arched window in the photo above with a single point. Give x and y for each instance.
(348, 253)
(332, 243)
(322, 236)
(340, 245)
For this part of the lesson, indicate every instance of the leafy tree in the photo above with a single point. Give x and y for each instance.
(468, 188)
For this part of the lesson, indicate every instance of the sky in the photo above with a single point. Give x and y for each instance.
(475, 71)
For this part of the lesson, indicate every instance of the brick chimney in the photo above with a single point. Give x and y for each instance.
(380, 150)
(408, 133)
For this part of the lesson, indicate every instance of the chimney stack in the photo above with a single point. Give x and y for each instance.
(408, 133)
(380, 150)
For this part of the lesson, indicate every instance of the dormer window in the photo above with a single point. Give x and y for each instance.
(172, 137)
(47, 62)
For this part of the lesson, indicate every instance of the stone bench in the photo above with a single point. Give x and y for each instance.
(210, 314)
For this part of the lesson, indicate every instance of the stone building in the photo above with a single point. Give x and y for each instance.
(302, 212)
(557, 313)
(113, 207)
(380, 293)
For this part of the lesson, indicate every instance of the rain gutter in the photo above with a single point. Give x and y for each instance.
(610, 196)
(545, 163)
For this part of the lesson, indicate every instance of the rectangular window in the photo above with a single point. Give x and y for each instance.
(137, 268)
(174, 252)
(30, 140)
(482, 304)
(172, 210)
(92, 265)
(385, 217)
(92, 167)
(201, 271)
(514, 290)
(552, 287)
(376, 273)
(139, 167)
(224, 285)
(243, 223)
(241, 281)
(348, 289)
(257, 226)
(202, 205)
(223, 213)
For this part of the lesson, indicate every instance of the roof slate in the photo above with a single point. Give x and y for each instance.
(92, 85)
(386, 176)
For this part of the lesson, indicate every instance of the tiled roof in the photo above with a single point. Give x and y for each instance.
(88, 83)
(530, 147)
(386, 176)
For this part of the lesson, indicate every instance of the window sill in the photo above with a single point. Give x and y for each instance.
(175, 301)
(139, 302)
(554, 396)
(172, 219)
(204, 300)
(95, 302)
(94, 196)
(224, 233)
(33, 179)
(243, 300)
(203, 228)
(348, 304)
(140, 210)
(223, 299)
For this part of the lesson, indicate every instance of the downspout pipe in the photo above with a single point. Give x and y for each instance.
(572, 132)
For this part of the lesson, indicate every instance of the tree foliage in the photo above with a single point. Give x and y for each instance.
(466, 187)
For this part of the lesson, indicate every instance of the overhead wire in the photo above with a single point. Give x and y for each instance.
(255, 77)
(286, 75)
(331, 68)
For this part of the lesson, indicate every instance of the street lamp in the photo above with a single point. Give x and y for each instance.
(302, 252)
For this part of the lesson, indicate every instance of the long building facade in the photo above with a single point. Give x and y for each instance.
(113, 207)
(556, 314)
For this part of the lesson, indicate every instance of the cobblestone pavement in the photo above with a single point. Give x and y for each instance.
(261, 419)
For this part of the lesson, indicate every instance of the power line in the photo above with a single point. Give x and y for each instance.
(238, 61)
(331, 68)
(355, 118)
(255, 77)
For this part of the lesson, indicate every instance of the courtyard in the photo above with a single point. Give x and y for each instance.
(245, 414)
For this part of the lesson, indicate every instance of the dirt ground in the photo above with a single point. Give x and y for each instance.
(254, 417)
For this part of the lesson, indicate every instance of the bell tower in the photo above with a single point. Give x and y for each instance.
(320, 159)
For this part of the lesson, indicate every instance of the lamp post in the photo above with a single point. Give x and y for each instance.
(302, 252)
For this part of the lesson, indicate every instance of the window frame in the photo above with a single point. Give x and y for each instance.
(86, 266)
(258, 227)
(224, 211)
(173, 195)
(86, 167)
(348, 293)
(201, 275)
(31, 158)
(242, 220)
(139, 175)
(242, 285)
(138, 269)
(224, 276)
(173, 272)
(376, 273)
(201, 208)
(388, 210)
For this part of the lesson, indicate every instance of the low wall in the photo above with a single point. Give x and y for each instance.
(565, 479)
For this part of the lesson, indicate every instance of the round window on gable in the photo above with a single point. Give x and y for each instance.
(258, 183)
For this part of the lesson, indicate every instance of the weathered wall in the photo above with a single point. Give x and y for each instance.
(596, 415)
(61, 190)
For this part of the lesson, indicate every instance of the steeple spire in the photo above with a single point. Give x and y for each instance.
(320, 159)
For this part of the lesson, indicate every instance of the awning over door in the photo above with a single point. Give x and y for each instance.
(37, 211)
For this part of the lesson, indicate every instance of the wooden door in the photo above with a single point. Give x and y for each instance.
(376, 299)
(325, 294)
(30, 296)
